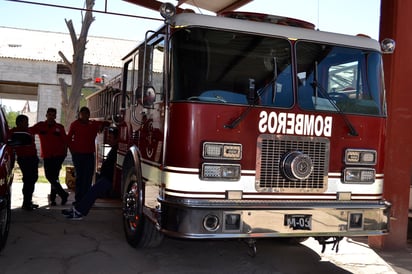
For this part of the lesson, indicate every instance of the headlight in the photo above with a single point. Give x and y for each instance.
(359, 175)
(224, 151)
(360, 157)
(220, 172)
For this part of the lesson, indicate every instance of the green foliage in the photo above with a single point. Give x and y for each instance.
(85, 92)
(11, 116)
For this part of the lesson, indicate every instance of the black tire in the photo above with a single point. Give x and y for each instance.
(151, 236)
(139, 231)
(5, 218)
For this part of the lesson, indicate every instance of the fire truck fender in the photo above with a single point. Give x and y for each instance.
(132, 159)
(132, 190)
(139, 230)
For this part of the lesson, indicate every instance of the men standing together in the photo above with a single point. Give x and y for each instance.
(54, 143)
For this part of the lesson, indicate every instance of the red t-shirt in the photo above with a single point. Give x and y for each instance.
(28, 150)
(81, 136)
(53, 140)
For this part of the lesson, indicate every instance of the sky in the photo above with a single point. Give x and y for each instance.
(340, 16)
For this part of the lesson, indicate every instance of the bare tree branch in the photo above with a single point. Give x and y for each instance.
(73, 36)
(63, 86)
(65, 60)
(71, 100)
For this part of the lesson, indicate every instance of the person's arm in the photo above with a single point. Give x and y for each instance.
(70, 134)
(63, 137)
(35, 129)
(100, 125)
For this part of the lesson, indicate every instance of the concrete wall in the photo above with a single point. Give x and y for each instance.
(27, 71)
(43, 80)
(48, 96)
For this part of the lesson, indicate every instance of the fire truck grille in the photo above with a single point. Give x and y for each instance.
(292, 163)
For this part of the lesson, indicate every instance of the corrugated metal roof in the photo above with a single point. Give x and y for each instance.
(45, 45)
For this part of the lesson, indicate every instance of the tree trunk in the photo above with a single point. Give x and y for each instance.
(71, 99)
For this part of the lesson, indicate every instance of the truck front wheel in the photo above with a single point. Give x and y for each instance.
(139, 231)
(133, 219)
(5, 216)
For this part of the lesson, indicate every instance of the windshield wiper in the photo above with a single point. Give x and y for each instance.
(318, 87)
(251, 100)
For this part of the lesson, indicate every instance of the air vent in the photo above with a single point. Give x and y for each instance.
(271, 175)
(63, 69)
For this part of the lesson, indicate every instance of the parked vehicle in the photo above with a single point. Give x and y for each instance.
(249, 125)
(7, 159)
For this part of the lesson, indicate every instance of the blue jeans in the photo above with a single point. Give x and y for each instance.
(29, 169)
(100, 188)
(84, 169)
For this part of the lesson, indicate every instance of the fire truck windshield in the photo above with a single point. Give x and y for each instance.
(217, 66)
(333, 78)
(227, 67)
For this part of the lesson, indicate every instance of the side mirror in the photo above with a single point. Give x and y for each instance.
(20, 139)
(149, 96)
(388, 45)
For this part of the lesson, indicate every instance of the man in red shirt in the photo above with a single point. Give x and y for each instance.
(28, 162)
(103, 182)
(81, 140)
(53, 148)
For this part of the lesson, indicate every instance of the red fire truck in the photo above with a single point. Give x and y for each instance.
(248, 125)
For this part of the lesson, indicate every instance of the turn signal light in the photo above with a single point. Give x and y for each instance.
(220, 172)
(224, 151)
(360, 157)
(359, 175)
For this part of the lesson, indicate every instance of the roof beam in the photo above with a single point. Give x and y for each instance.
(217, 6)
(234, 5)
(151, 4)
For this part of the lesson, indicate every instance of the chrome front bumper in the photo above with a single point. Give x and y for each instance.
(188, 218)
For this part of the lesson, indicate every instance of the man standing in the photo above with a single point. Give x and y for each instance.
(53, 144)
(81, 140)
(28, 162)
(103, 183)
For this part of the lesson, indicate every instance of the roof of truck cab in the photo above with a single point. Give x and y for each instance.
(293, 33)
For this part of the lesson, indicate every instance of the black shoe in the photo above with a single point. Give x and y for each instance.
(29, 206)
(67, 212)
(75, 215)
(53, 203)
(64, 198)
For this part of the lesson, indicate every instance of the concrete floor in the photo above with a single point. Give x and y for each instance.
(43, 241)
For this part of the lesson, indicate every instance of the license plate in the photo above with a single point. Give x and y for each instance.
(298, 222)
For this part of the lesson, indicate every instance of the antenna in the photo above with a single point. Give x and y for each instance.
(318, 15)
